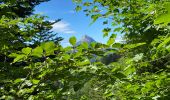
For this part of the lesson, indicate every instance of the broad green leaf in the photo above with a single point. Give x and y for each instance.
(19, 80)
(158, 83)
(93, 44)
(13, 55)
(113, 36)
(38, 52)
(118, 29)
(67, 49)
(85, 45)
(72, 40)
(65, 57)
(116, 45)
(129, 70)
(95, 17)
(83, 63)
(19, 58)
(34, 81)
(110, 41)
(26, 50)
(78, 54)
(49, 48)
(131, 46)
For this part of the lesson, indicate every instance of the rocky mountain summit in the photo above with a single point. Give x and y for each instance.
(87, 39)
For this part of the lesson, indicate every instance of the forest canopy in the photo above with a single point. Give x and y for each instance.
(35, 66)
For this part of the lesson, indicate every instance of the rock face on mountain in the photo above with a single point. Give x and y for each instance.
(87, 39)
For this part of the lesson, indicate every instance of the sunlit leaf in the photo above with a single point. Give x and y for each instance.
(38, 52)
(49, 47)
(85, 45)
(19, 58)
(131, 46)
(72, 40)
(26, 50)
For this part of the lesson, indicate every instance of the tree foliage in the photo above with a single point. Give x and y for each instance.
(35, 66)
(145, 54)
(20, 8)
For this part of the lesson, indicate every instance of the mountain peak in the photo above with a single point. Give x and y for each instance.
(87, 39)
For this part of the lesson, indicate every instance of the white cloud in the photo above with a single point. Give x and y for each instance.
(63, 27)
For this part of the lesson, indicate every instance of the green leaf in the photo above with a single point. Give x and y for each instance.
(66, 57)
(83, 63)
(26, 50)
(118, 29)
(116, 45)
(78, 8)
(49, 47)
(87, 4)
(19, 80)
(129, 70)
(93, 44)
(34, 81)
(113, 36)
(67, 49)
(95, 17)
(72, 40)
(85, 45)
(19, 58)
(106, 32)
(13, 55)
(131, 46)
(105, 22)
(38, 52)
(110, 41)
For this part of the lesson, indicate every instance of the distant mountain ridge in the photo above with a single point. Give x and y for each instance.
(85, 38)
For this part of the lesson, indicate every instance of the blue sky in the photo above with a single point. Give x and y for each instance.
(73, 23)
